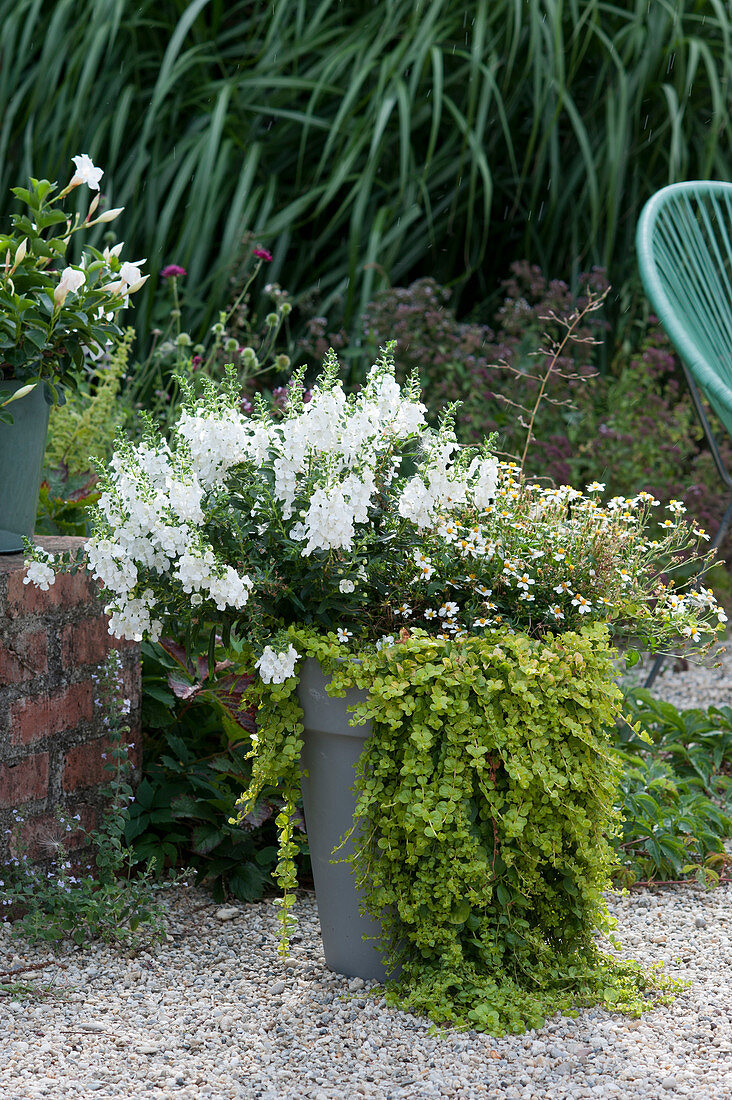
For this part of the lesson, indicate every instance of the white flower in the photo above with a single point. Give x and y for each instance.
(430, 613)
(448, 610)
(274, 667)
(385, 640)
(86, 172)
(584, 606)
(70, 281)
(596, 487)
(343, 635)
(346, 586)
(486, 483)
(40, 574)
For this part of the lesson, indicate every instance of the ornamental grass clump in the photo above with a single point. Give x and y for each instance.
(476, 608)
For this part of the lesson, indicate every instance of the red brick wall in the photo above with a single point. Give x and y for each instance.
(52, 734)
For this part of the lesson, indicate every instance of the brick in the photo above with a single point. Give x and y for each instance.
(22, 657)
(86, 643)
(33, 719)
(85, 766)
(26, 780)
(69, 590)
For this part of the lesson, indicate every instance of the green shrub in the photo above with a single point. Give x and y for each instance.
(676, 789)
(82, 430)
(81, 433)
(631, 427)
(197, 740)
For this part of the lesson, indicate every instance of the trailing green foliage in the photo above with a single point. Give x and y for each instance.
(370, 143)
(675, 790)
(485, 801)
(197, 740)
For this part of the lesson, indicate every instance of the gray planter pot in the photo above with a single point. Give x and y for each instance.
(22, 446)
(330, 753)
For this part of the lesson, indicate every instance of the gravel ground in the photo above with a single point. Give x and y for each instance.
(693, 685)
(215, 1013)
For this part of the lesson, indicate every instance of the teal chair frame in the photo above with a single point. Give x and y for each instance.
(684, 246)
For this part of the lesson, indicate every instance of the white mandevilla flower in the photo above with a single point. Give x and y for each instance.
(71, 280)
(86, 172)
(276, 668)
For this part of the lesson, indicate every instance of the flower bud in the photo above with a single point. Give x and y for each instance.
(198, 349)
(231, 344)
(93, 205)
(271, 319)
(138, 285)
(183, 340)
(19, 256)
(218, 329)
(114, 288)
(282, 362)
(109, 215)
(285, 308)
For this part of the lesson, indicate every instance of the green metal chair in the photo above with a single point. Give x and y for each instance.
(684, 245)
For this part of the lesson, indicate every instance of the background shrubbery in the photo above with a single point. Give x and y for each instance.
(369, 145)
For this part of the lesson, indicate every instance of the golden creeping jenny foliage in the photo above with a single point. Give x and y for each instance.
(485, 805)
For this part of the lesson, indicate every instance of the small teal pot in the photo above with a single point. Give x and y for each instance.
(22, 446)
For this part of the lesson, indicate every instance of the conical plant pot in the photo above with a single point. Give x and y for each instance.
(330, 753)
(22, 446)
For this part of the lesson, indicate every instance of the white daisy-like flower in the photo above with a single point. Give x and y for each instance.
(343, 635)
(582, 604)
(448, 610)
(430, 613)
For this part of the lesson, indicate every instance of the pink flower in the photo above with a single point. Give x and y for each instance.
(263, 254)
(196, 362)
(173, 271)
